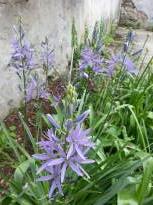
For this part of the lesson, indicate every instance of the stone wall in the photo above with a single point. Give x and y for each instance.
(137, 13)
(146, 6)
(131, 15)
(52, 18)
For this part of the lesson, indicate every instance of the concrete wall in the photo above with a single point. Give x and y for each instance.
(52, 18)
(147, 7)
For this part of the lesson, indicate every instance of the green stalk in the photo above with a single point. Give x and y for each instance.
(25, 94)
(142, 75)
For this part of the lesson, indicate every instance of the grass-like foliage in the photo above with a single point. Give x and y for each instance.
(96, 145)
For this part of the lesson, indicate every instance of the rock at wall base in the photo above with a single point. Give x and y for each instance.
(130, 16)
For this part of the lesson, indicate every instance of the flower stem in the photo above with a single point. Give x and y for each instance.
(25, 94)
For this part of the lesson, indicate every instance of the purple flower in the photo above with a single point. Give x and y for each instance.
(53, 122)
(57, 168)
(129, 66)
(90, 59)
(22, 55)
(59, 155)
(86, 58)
(78, 138)
(130, 36)
(120, 60)
(49, 146)
(129, 39)
(54, 178)
(83, 116)
(43, 93)
(74, 162)
(47, 55)
(34, 90)
(69, 124)
(64, 160)
(111, 65)
(52, 137)
(56, 100)
(31, 87)
(22, 61)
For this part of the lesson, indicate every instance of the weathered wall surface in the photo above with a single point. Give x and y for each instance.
(52, 18)
(137, 13)
(147, 7)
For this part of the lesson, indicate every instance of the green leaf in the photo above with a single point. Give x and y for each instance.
(114, 131)
(150, 115)
(117, 187)
(20, 172)
(28, 132)
(127, 196)
(143, 189)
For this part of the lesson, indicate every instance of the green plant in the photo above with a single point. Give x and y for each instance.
(121, 122)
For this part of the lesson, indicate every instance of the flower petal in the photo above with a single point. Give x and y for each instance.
(79, 152)
(63, 171)
(50, 163)
(70, 151)
(56, 162)
(58, 184)
(130, 67)
(52, 121)
(45, 178)
(69, 124)
(75, 169)
(41, 156)
(52, 136)
(52, 189)
(82, 117)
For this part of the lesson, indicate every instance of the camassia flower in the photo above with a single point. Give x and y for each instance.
(22, 61)
(90, 59)
(111, 65)
(82, 117)
(22, 55)
(35, 91)
(78, 138)
(129, 66)
(47, 55)
(67, 152)
(129, 40)
(31, 88)
(124, 61)
(47, 58)
(54, 177)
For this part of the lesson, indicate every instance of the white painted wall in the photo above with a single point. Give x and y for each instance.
(52, 18)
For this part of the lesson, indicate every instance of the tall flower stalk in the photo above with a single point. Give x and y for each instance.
(47, 57)
(36, 89)
(91, 63)
(22, 60)
(66, 146)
